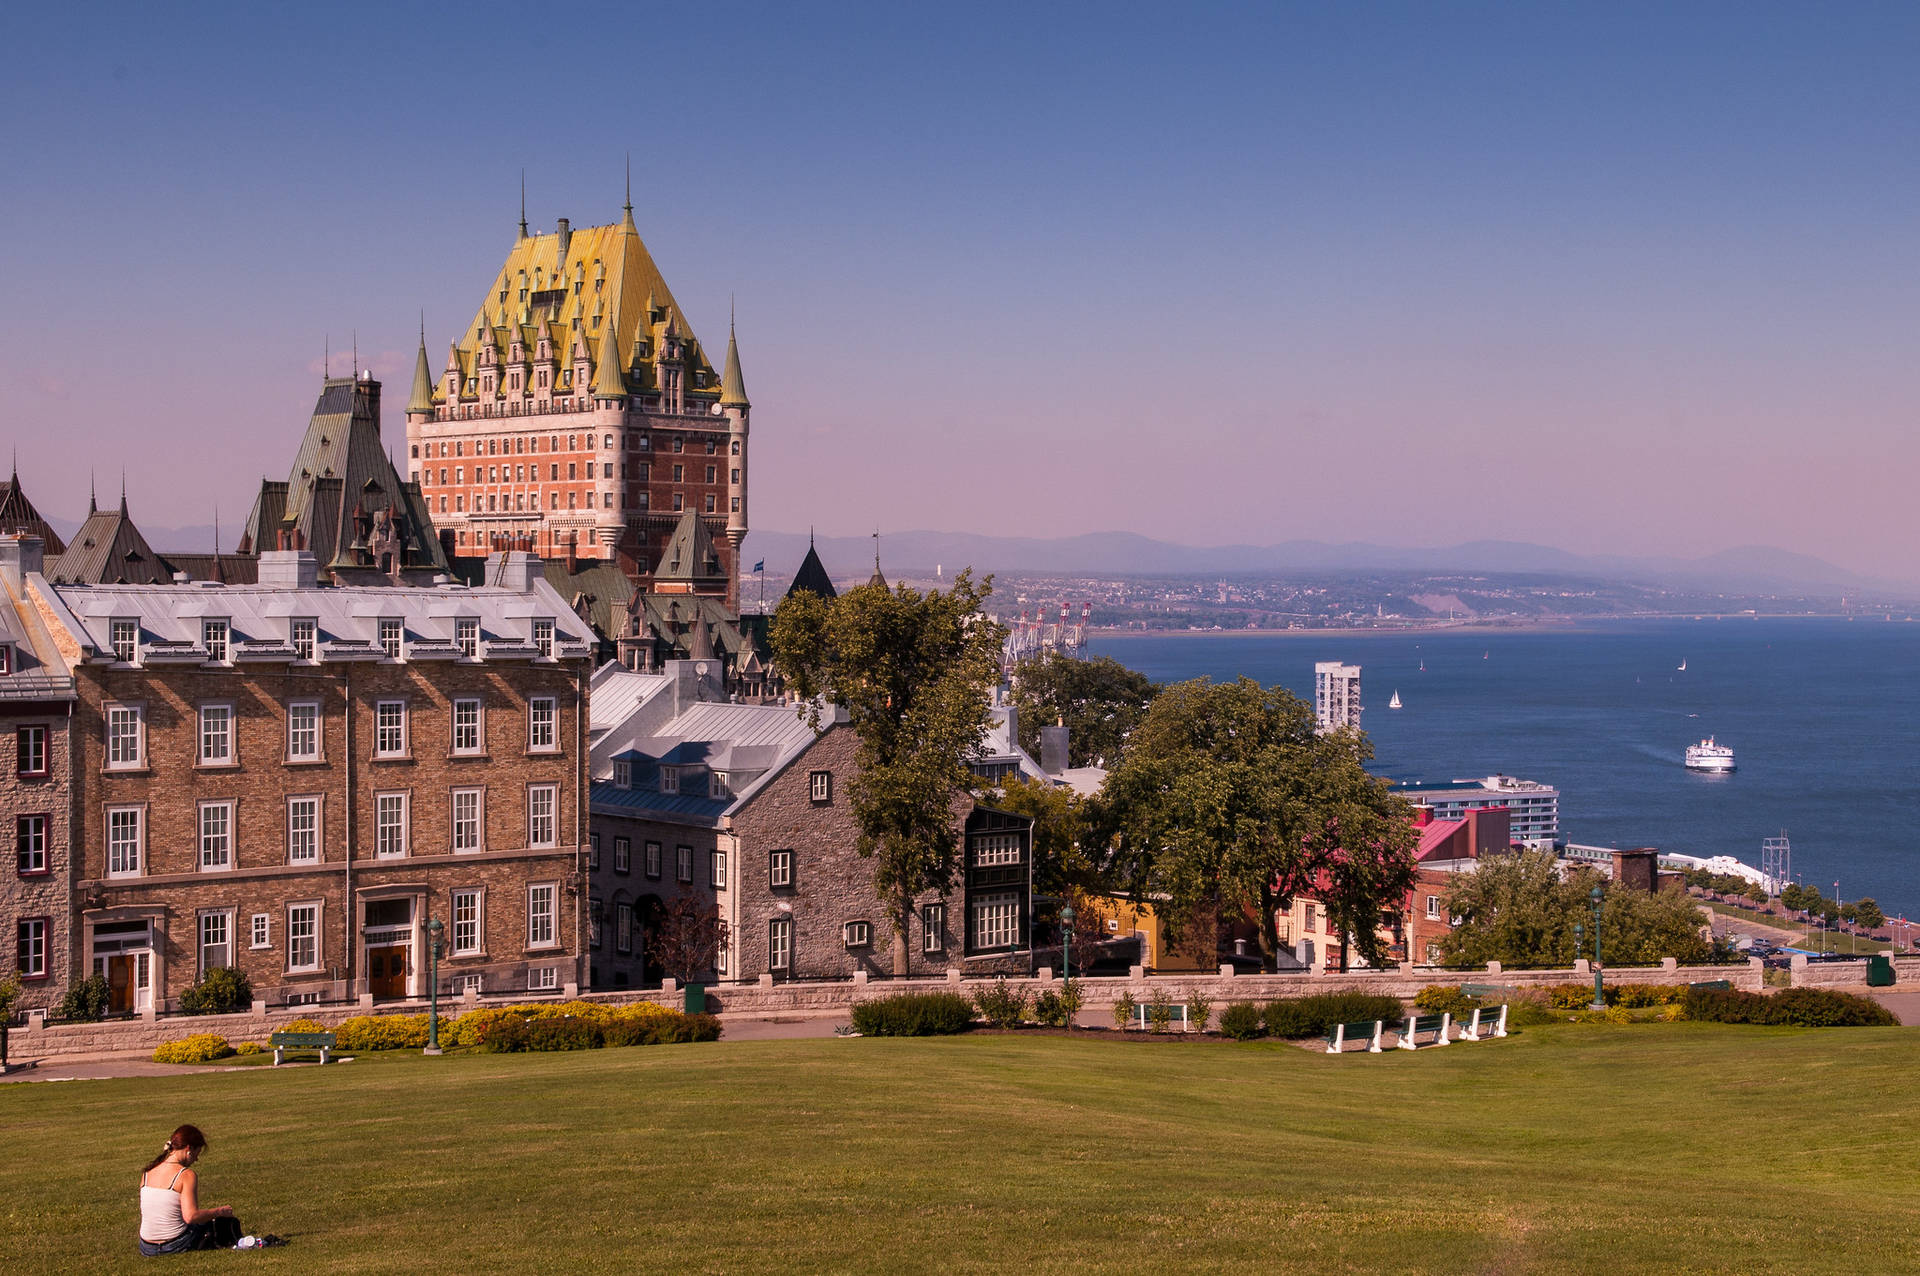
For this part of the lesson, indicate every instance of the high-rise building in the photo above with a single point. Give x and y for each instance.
(578, 415)
(1534, 808)
(1336, 695)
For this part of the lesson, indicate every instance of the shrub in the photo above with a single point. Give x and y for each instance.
(1241, 1021)
(1070, 999)
(303, 1025)
(249, 1047)
(472, 1028)
(388, 1032)
(1437, 999)
(1199, 1011)
(1297, 1017)
(1571, 996)
(913, 1014)
(1159, 1011)
(1529, 1014)
(1637, 996)
(1048, 1010)
(223, 990)
(86, 1000)
(1794, 1007)
(679, 1029)
(1123, 1011)
(543, 1033)
(1001, 1005)
(1612, 1014)
(201, 1047)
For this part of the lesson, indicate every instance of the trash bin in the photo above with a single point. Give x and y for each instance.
(1880, 971)
(696, 1002)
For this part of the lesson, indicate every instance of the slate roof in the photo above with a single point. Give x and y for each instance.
(108, 549)
(812, 577)
(689, 554)
(18, 517)
(750, 742)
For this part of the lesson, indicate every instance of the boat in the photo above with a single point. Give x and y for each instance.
(1395, 702)
(1708, 756)
(1683, 664)
(1423, 664)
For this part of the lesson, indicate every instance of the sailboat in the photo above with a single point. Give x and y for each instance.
(1683, 664)
(1395, 702)
(1423, 664)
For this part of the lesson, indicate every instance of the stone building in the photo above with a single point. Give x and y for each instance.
(578, 414)
(293, 780)
(36, 717)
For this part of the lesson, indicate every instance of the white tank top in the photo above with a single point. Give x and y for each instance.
(160, 1219)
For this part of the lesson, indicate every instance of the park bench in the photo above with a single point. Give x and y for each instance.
(1487, 990)
(1713, 985)
(1488, 1021)
(1341, 1033)
(285, 1041)
(1439, 1027)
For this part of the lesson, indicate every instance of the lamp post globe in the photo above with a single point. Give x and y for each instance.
(434, 931)
(1599, 993)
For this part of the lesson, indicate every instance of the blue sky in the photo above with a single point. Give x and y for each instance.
(1620, 278)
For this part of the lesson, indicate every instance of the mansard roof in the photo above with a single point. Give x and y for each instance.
(690, 554)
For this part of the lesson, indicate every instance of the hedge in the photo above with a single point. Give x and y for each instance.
(581, 1032)
(386, 1032)
(913, 1014)
(1296, 1017)
(201, 1047)
(1241, 1021)
(1793, 1007)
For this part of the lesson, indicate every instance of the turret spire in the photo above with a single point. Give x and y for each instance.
(733, 387)
(628, 223)
(93, 503)
(523, 203)
(422, 398)
(607, 381)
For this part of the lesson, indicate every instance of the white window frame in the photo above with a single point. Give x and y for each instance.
(933, 928)
(543, 915)
(780, 870)
(858, 935)
(297, 709)
(543, 725)
(134, 862)
(215, 824)
(224, 918)
(997, 850)
(820, 786)
(623, 927)
(385, 732)
(30, 829)
(475, 730)
(310, 915)
(683, 864)
(717, 868)
(1433, 908)
(473, 824)
(718, 785)
(543, 978)
(216, 635)
(780, 944)
(123, 634)
(119, 717)
(622, 773)
(1004, 908)
(475, 983)
(466, 636)
(303, 635)
(670, 779)
(392, 800)
(260, 931)
(39, 931)
(623, 855)
(391, 635)
(545, 796)
(313, 805)
(214, 745)
(654, 865)
(474, 898)
(543, 638)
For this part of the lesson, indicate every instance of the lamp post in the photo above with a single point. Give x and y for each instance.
(1599, 993)
(434, 930)
(1066, 945)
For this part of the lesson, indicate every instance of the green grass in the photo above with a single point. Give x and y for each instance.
(1573, 1148)
(1818, 941)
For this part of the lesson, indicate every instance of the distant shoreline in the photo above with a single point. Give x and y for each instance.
(1565, 626)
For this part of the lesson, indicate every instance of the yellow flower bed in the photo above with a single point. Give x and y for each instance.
(201, 1047)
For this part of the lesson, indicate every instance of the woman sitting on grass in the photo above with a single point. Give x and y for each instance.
(172, 1220)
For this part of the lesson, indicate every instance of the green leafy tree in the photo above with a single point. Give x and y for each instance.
(1867, 914)
(914, 673)
(9, 994)
(1226, 798)
(1517, 909)
(1757, 893)
(1099, 700)
(1062, 831)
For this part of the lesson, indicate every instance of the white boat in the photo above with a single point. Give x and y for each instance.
(1683, 664)
(1708, 756)
(1395, 702)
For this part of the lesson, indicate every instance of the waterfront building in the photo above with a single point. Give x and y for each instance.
(1336, 695)
(293, 779)
(1534, 808)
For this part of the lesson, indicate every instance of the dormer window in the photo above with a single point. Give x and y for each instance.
(6, 658)
(213, 636)
(390, 636)
(126, 640)
(670, 779)
(622, 774)
(466, 636)
(719, 786)
(543, 638)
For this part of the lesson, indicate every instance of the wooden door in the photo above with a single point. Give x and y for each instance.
(387, 971)
(119, 974)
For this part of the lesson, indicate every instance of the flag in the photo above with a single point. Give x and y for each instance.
(760, 566)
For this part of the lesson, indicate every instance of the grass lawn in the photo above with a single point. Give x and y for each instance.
(1817, 940)
(1671, 1148)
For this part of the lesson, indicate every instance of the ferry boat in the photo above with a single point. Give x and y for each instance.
(1708, 756)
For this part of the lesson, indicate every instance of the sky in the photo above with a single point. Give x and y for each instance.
(1633, 279)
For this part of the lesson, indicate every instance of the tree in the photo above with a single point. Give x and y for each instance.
(9, 993)
(1100, 701)
(1226, 798)
(686, 937)
(1062, 834)
(1757, 893)
(914, 673)
(1867, 914)
(1518, 909)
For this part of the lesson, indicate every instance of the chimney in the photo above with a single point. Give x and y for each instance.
(513, 569)
(1422, 816)
(289, 569)
(573, 553)
(1013, 726)
(20, 557)
(564, 232)
(1053, 749)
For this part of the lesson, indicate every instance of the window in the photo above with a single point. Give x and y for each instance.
(390, 825)
(1433, 908)
(305, 635)
(669, 779)
(543, 978)
(466, 923)
(216, 940)
(466, 636)
(216, 734)
(678, 502)
(262, 936)
(709, 474)
(466, 820)
(780, 869)
(303, 936)
(593, 851)
(709, 502)
(303, 731)
(466, 726)
(542, 736)
(303, 830)
(995, 849)
(30, 844)
(679, 473)
(717, 785)
(820, 786)
(684, 862)
(653, 859)
(933, 928)
(859, 934)
(30, 947)
(213, 636)
(475, 984)
(622, 855)
(622, 774)
(542, 801)
(780, 944)
(126, 840)
(1309, 917)
(623, 927)
(593, 922)
(996, 920)
(125, 636)
(390, 729)
(543, 637)
(719, 867)
(390, 631)
(541, 897)
(216, 836)
(30, 750)
(126, 737)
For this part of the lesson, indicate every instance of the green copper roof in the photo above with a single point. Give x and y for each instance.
(733, 387)
(422, 397)
(607, 381)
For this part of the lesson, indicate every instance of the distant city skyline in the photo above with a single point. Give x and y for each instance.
(1632, 280)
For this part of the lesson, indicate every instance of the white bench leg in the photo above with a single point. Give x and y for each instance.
(326, 1054)
(278, 1052)
(1500, 1029)
(1373, 1047)
(1473, 1029)
(1339, 1039)
(1446, 1026)
(1406, 1036)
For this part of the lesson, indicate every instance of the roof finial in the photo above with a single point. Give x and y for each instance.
(629, 204)
(16, 465)
(216, 531)
(876, 550)
(523, 203)
(123, 492)
(93, 504)
(355, 369)
(326, 358)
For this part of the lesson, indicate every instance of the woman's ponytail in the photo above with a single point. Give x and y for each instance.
(187, 1136)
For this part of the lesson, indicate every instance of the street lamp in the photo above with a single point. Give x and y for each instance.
(434, 930)
(1066, 945)
(1599, 994)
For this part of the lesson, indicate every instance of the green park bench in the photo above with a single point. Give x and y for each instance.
(1369, 1030)
(1713, 985)
(1436, 1026)
(1487, 1021)
(1487, 990)
(285, 1041)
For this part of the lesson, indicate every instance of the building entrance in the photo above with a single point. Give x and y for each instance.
(123, 956)
(388, 934)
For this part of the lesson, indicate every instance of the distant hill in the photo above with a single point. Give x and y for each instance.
(1747, 569)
